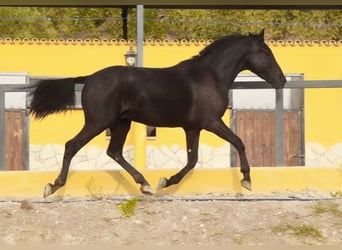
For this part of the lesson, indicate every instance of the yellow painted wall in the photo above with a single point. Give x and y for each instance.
(59, 59)
(318, 61)
(323, 119)
(267, 182)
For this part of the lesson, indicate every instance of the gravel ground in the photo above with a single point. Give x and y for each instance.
(217, 221)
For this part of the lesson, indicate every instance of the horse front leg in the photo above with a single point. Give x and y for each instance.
(220, 129)
(192, 140)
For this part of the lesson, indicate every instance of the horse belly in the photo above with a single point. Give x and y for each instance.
(157, 119)
(161, 114)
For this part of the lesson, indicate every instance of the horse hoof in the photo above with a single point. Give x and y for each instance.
(246, 184)
(162, 183)
(146, 189)
(47, 190)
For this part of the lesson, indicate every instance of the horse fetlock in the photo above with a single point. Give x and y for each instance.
(246, 174)
(60, 182)
(245, 168)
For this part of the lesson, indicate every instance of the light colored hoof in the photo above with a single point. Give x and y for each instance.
(162, 183)
(246, 184)
(47, 190)
(146, 189)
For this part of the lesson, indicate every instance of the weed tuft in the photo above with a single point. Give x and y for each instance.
(128, 207)
(337, 194)
(304, 231)
(327, 207)
(300, 231)
(238, 240)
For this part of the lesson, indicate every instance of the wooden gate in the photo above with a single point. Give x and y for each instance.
(257, 130)
(14, 140)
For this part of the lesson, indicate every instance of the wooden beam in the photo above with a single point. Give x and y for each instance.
(231, 4)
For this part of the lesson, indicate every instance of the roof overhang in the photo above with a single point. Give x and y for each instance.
(203, 4)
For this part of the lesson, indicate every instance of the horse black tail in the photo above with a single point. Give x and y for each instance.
(53, 96)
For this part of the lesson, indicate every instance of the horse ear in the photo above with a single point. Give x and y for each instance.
(262, 33)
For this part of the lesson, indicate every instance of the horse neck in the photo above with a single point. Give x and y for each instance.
(226, 65)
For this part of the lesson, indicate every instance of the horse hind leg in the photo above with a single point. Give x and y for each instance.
(119, 132)
(89, 131)
(192, 140)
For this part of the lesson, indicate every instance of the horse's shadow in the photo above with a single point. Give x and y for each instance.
(124, 185)
(122, 182)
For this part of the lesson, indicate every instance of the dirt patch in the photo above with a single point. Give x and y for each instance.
(173, 222)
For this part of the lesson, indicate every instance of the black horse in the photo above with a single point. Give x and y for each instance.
(192, 94)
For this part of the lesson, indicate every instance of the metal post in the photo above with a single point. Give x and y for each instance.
(2, 129)
(279, 127)
(140, 35)
(140, 129)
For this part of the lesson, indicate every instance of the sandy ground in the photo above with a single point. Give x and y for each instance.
(164, 221)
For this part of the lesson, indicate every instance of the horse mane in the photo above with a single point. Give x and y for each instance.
(220, 44)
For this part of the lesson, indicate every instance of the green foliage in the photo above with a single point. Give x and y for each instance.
(128, 207)
(300, 231)
(327, 207)
(106, 23)
(337, 194)
(238, 240)
(306, 231)
(82, 23)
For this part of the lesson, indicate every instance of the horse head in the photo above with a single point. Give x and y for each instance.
(261, 61)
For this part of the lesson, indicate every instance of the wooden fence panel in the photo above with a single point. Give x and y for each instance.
(14, 121)
(292, 138)
(257, 131)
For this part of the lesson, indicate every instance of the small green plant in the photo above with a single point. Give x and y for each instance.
(300, 231)
(238, 240)
(327, 207)
(337, 194)
(280, 229)
(128, 207)
(304, 231)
